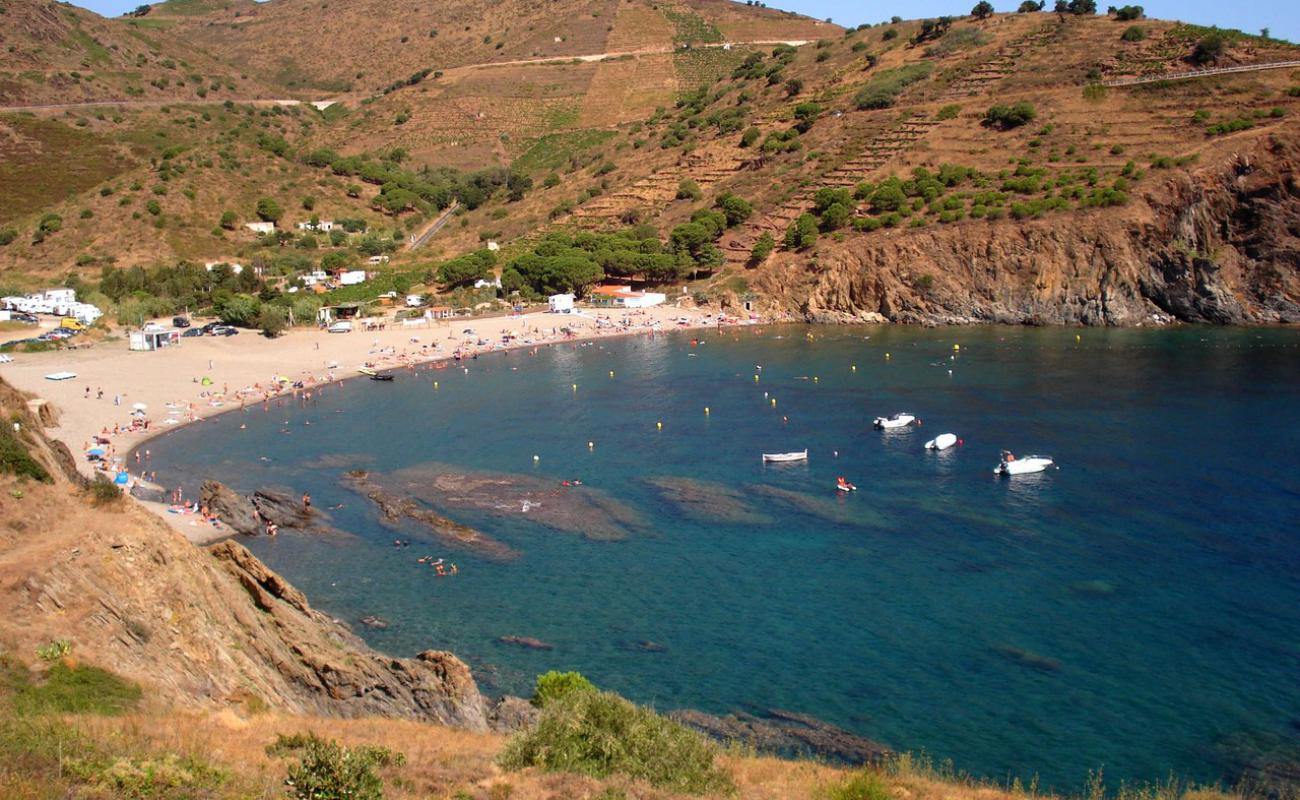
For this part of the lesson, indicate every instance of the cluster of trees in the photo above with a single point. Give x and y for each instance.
(424, 189)
(1076, 7)
(575, 262)
(1012, 116)
(1126, 13)
(982, 10)
(184, 285)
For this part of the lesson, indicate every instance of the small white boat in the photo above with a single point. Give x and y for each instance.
(942, 442)
(900, 420)
(778, 458)
(844, 486)
(1010, 465)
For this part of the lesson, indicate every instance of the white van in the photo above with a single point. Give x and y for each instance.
(342, 326)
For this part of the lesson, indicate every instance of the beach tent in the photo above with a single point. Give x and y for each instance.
(206, 381)
(139, 406)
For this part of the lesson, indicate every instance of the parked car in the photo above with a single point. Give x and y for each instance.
(23, 316)
(225, 330)
(180, 322)
(192, 332)
(211, 326)
(342, 326)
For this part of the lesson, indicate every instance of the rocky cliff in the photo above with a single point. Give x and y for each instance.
(205, 626)
(1220, 244)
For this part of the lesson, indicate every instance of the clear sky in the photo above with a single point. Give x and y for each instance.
(1281, 17)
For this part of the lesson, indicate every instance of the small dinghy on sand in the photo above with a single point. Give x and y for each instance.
(900, 420)
(942, 442)
(1010, 465)
(781, 458)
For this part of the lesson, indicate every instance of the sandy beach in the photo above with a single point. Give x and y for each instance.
(117, 391)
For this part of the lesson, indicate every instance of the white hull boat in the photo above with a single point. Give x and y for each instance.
(899, 420)
(780, 458)
(942, 442)
(1023, 466)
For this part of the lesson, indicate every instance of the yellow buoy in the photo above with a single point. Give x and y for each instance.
(755, 379)
(706, 411)
(886, 356)
(611, 373)
(659, 425)
(575, 387)
(815, 379)
(591, 445)
(537, 458)
(956, 347)
(773, 402)
(435, 384)
(853, 368)
(1078, 338)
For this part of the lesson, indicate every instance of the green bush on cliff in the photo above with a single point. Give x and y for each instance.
(864, 784)
(599, 734)
(77, 689)
(14, 458)
(554, 685)
(327, 769)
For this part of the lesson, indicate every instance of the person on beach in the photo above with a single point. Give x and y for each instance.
(306, 501)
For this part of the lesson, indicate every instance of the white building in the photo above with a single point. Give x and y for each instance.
(61, 302)
(374, 260)
(352, 277)
(260, 227)
(624, 297)
(313, 278)
(234, 268)
(414, 300)
(319, 226)
(560, 304)
(482, 283)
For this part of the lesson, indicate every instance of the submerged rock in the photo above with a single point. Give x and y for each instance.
(819, 507)
(786, 733)
(1096, 588)
(526, 642)
(577, 508)
(1027, 658)
(396, 508)
(374, 622)
(709, 502)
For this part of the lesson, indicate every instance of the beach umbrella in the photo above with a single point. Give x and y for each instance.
(122, 478)
(139, 406)
(95, 451)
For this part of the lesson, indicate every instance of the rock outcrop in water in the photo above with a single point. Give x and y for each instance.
(786, 733)
(248, 516)
(707, 501)
(395, 509)
(1218, 245)
(580, 509)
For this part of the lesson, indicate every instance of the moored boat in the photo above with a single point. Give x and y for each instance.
(900, 420)
(778, 458)
(1011, 465)
(942, 442)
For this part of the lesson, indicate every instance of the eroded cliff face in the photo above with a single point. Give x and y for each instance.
(206, 626)
(1220, 244)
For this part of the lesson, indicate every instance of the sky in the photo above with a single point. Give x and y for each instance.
(1281, 17)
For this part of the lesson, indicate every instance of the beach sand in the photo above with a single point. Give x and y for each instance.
(170, 383)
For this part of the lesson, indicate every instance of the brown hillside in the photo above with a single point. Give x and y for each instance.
(57, 53)
(362, 47)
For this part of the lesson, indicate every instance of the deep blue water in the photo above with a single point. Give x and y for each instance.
(1139, 609)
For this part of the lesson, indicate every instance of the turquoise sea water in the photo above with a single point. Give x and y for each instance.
(1139, 609)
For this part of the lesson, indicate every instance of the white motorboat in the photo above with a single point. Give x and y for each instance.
(1011, 465)
(900, 420)
(778, 458)
(942, 442)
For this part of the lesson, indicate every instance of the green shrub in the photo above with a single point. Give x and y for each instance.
(762, 249)
(861, 785)
(948, 112)
(802, 233)
(1229, 126)
(883, 90)
(1007, 117)
(325, 769)
(79, 689)
(688, 189)
(1134, 33)
(7, 235)
(750, 136)
(1210, 48)
(1129, 13)
(553, 685)
(15, 458)
(600, 734)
